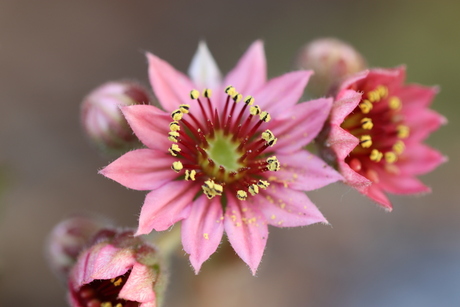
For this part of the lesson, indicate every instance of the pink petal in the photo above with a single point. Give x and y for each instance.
(376, 194)
(112, 262)
(304, 171)
(251, 72)
(282, 92)
(166, 205)
(341, 141)
(353, 79)
(84, 267)
(303, 124)
(344, 105)
(422, 122)
(139, 286)
(417, 95)
(398, 184)
(203, 69)
(171, 87)
(202, 230)
(150, 124)
(247, 232)
(142, 169)
(353, 179)
(420, 159)
(284, 207)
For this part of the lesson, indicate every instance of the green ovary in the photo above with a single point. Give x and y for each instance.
(223, 151)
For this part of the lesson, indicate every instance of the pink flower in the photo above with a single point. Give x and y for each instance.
(221, 165)
(377, 126)
(117, 270)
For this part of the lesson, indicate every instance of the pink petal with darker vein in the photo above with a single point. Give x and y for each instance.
(202, 230)
(139, 286)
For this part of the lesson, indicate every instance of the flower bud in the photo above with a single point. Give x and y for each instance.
(332, 60)
(117, 270)
(68, 239)
(102, 119)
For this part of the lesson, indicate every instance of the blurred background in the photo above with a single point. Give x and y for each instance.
(52, 53)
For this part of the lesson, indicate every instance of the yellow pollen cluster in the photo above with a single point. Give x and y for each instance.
(265, 116)
(378, 94)
(255, 110)
(211, 189)
(207, 93)
(366, 123)
(273, 164)
(403, 131)
(109, 304)
(249, 100)
(394, 103)
(366, 141)
(399, 147)
(376, 155)
(177, 166)
(241, 195)
(269, 137)
(174, 150)
(116, 281)
(174, 126)
(190, 174)
(173, 136)
(390, 157)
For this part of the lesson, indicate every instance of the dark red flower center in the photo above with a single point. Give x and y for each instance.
(223, 148)
(379, 125)
(104, 293)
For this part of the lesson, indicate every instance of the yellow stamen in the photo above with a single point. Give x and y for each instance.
(237, 97)
(267, 135)
(207, 93)
(403, 131)
(194, 94)
(173, 136)
(265, 116)
(177, 166)
(117, 282)
(184, 108)
(241, 195)
(376, 155)
(106, 304)
(177, 115)
(382, 90)
(230, 90)
(249, 100)
(263, 184)
(273, 164)
(395, 103)
(367, 123)
(399, 147)
(174, 126)
(366, 141)
(190, 174)
(253, 189)
(390, 157)
(365, 106)
(254, 110)
(174, 150)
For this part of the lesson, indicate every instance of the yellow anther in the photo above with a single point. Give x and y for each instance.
(177, 166)
(366, 123)
(116, 282)
(241, 195)
(365, 141)
(253, 189)
(237, 97)
(399, 147)
(272, 142)
(174, 150)
(273, 164)
(207, 93)
(190, 174)
(177, 114)
(365, 106)
(206, 236)
(395, 103)
(390, 157)
(254, 110)
(263, 184)
(173, 136)
(382, 90)
(376, 155)
(194, 94)
(373, 96)
(403, 131)
(184, 108)
(265, 116)
(211, 189)
(174, 126)
(218, 189)
(106, 304)
(230, 90)
(118, 305)
(267, 135)
(249, 100)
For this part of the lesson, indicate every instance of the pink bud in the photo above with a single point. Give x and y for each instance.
(118, 269)
(332, 60)
(68, 239)
(102, 119)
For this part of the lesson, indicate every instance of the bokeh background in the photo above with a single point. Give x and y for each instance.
(53, 52)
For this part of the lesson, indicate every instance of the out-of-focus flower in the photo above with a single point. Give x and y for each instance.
(117, 270)
(101, 117)
(332, 60)
(377, 126)
(68, 239)
(220, 164)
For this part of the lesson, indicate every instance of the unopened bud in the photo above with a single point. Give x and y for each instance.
(118, 269)
(102, 119)
(332, 60)
(68, 239)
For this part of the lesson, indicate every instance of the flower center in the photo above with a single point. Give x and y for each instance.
(223, 147)
(104, 293)
(379, 125)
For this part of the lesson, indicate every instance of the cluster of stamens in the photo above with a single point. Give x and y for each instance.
(223, 149)
(378, 124)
